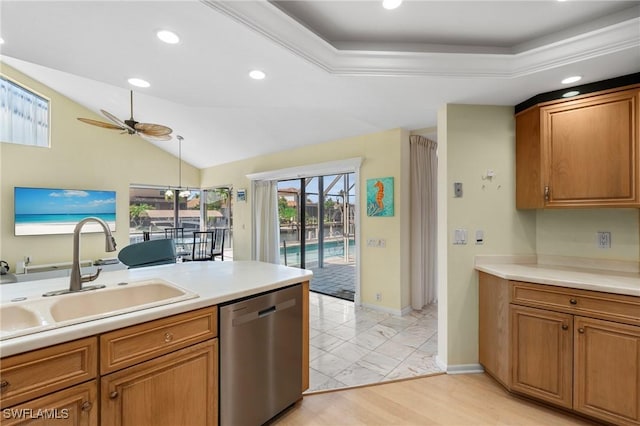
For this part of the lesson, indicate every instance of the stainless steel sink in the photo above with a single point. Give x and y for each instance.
(45, 313)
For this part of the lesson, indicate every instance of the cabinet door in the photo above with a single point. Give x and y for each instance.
(541, 354)
(75, 406)
(180, 388)
(591, 151)
(607, 370)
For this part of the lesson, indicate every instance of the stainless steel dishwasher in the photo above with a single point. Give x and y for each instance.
(260, 356)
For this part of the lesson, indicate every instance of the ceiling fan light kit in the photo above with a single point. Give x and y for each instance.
(149, 131)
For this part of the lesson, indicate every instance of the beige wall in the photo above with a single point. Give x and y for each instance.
(474, 139)
(385, 154)
(574, 233)
(471, 140)
(80, 157)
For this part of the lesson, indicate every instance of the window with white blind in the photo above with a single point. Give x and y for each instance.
(24, 115)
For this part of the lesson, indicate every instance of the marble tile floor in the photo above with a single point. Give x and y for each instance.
(352, 346)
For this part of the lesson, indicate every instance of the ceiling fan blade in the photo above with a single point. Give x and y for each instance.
(153, 129)
(100, 124)
(152, 138)
(116, 120)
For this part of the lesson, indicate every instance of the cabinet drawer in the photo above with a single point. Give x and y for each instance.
(77, 406)
(131, 345)
(33, 374)
(614, 307)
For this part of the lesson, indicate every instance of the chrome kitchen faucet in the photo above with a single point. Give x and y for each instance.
(75, 284)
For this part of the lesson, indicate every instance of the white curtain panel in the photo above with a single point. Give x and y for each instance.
(423, 169)
(267, 228)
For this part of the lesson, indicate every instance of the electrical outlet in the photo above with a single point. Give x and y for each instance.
(376, 242)
(378, 297)
(604, 239)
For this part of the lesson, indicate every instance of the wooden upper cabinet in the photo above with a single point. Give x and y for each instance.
(579, 153)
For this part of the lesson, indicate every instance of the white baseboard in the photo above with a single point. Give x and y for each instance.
(396, 312)
(464, 369)
(459, 368)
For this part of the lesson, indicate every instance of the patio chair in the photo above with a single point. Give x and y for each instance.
(174, 232)
(203, 246)
(148, 253)
(217, 249)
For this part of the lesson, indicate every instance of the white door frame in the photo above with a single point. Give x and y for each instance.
(349, 165)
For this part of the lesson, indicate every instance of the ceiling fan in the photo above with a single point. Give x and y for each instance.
(149, 131)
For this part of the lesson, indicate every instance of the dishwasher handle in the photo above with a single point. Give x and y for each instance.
(268, 311)
(262, 313)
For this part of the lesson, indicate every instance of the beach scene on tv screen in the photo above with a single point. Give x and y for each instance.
(45, 211)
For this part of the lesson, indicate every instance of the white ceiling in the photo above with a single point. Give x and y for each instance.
(335, 69)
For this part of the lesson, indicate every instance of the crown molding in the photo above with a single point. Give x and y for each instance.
(269, 21)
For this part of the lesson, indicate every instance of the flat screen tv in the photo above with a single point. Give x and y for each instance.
(47, 211)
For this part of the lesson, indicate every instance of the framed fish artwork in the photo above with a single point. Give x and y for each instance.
(380, 197)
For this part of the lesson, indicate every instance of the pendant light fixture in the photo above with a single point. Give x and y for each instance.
(182, 192)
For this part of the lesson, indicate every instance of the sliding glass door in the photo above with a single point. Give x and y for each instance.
(317, 230)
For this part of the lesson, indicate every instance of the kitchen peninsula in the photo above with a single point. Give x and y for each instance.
(164, 353)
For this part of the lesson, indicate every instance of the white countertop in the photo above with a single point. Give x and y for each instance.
(214, 282)
(563, 276)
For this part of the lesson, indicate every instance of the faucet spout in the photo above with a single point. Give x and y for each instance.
(110, 245)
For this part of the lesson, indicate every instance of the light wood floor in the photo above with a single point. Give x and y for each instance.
(465, 399)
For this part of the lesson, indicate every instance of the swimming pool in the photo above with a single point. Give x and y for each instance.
(332, 249)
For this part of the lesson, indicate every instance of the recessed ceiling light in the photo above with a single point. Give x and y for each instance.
(168, 36)
(257, 75)
(391, 4)
(571, 79)
(570, 94)
(138, 82)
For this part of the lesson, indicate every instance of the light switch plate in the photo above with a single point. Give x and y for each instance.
(460, 236)
(457, 189)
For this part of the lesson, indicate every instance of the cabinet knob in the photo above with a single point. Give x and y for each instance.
(168, 337)
(573, 301)
(565, 327)
(4, 384)
(113, 395)
(581, 330)
(86, 406)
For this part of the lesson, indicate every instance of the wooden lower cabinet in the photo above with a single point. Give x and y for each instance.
(542, 354)
(75, 406)
(179, 388)
(570, 348)
(607, 370)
